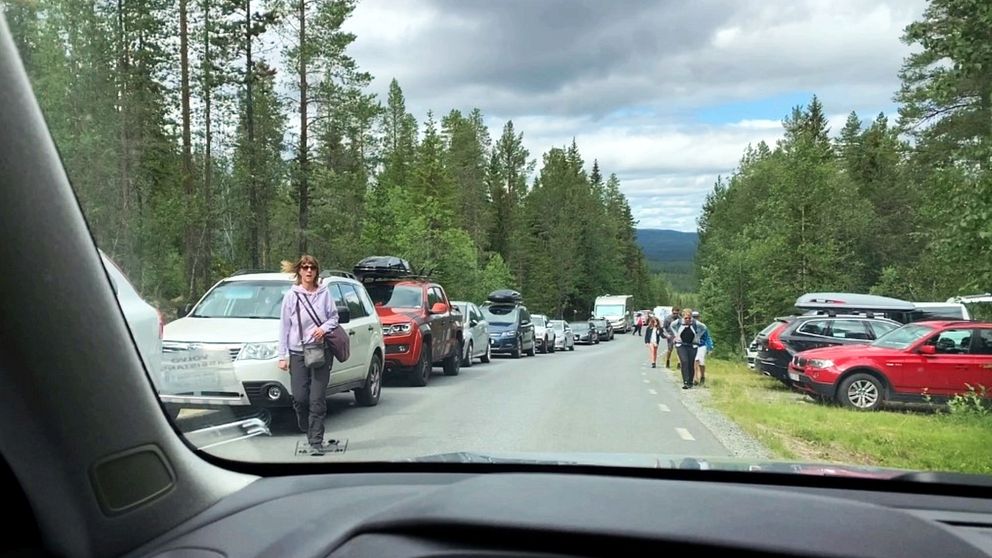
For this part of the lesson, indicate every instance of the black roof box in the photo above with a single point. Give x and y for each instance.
(505, 296)
(382, 266)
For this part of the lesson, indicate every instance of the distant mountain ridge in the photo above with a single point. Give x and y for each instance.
(662, 245)
(671, 253)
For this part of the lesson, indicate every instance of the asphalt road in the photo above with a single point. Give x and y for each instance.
(598, 399)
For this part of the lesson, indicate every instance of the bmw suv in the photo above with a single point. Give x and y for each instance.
(223, 354)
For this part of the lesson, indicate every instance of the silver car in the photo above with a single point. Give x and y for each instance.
(475, 334)
(564, 339)
(544, 334)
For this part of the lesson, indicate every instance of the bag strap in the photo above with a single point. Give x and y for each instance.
(310, 311)
(299, 322)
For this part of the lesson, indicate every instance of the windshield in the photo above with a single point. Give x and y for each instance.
(609, 310)
(500, 315)
(396, 296)
(566, 159)
(903, 337)
(243, 299)
(558, 326)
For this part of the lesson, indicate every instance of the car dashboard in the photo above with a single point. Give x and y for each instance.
(559, 514)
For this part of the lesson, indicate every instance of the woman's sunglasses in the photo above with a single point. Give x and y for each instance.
(308, 266)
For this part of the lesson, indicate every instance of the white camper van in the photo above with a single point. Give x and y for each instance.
(616, 310)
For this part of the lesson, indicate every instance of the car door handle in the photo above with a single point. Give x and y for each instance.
(351, 333)
(370, 328)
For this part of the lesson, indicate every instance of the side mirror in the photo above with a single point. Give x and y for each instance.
(473, 323)
(439, 308)
(185, 310)
(344, 314)
(927, 350)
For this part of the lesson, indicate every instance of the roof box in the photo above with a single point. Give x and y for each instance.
(382, 266)
(505, 296)
(852, 301)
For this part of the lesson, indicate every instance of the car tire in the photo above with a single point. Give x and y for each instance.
(531, 351)
(863, 392)
(467, 361)
(516, 352)
(572, 347)
(422, 372)
(453, 364)
(368, 396)
(488, 356)
(544, 345)
(551, 347)
(281, 420)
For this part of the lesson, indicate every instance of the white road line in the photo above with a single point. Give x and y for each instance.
(653, 391)
(644, 373)
(664, 408)
(684, 434)
(647, 381)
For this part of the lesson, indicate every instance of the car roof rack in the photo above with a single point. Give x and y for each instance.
(984, 297)
(251, 271)
(338, 273)
(381, 278)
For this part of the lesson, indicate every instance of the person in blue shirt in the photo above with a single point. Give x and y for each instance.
(705, 346)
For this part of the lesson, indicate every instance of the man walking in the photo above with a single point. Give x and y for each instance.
(706, 346)
(666, 330)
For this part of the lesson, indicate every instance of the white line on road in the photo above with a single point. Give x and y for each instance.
(684, 434)
(653, 391)
(664, 408)
(644, 373)
(647, 381)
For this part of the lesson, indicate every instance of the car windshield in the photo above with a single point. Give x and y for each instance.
(609, 310)
(243, 299)
(582, 160)
(500, 315)
(903, 337)
(395, 296)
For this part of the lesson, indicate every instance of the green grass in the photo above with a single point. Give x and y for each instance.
(795, 427)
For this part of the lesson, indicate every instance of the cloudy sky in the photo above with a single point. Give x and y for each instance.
(666, 94)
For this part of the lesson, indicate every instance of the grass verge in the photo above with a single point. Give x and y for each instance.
(795, 427)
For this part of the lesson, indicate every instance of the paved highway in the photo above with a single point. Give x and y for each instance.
(598, 399)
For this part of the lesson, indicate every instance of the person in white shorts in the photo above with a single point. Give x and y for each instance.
(706, 345)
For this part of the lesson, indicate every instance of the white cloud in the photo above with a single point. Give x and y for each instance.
(626, 79)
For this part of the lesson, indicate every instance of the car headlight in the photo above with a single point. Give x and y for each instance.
(258, 351)
(508, 333)
(396, 329)
(820, 363)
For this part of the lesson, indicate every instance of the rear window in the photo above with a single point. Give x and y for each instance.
(396, 296)
(951, 312)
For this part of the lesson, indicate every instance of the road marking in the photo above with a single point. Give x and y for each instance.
(653, 391)
(644, 373)
(647, 381)
(664, 408)
(684, 434)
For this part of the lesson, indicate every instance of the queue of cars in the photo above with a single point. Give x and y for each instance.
(221, 353)
(863, 350)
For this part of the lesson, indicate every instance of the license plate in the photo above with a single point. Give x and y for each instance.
(793, 376)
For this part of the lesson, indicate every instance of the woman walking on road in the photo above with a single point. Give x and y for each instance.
(688, 337)
(308, 315)
(652, 338)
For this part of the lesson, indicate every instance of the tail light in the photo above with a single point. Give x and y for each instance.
(774, 342)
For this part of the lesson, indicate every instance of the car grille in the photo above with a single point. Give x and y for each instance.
(175, 347)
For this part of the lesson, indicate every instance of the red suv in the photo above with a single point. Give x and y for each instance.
(936, 359)
(420, 326)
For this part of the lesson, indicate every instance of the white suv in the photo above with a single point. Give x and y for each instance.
(222, 354)
(143, 319)
(544, 334)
